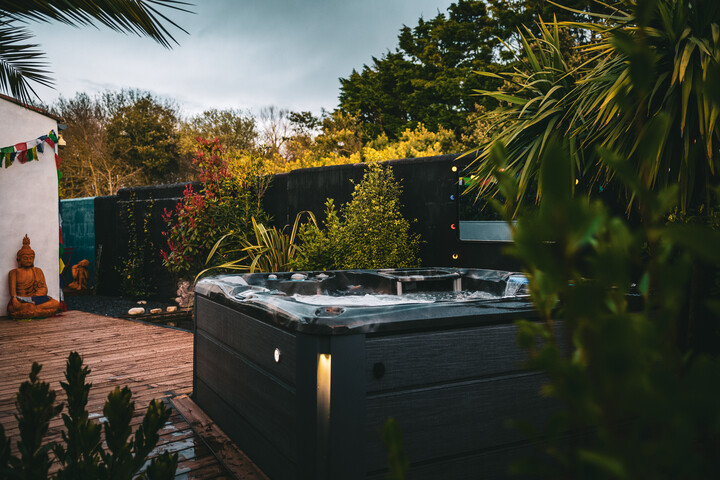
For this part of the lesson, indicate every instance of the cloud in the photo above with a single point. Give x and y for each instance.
(249, 54)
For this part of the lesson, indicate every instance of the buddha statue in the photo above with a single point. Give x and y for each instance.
(80, 275)
(28, 290)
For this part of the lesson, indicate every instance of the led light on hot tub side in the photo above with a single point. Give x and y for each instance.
(276, 354)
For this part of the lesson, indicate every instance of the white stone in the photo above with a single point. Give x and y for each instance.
(155, 311)
(171, 309)
(142, 302)
(136, 311)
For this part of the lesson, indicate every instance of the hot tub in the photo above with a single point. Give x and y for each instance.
(302, 370)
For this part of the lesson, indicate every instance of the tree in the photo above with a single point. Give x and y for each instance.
(340, 141)
(22, 63)
(88, 169)
(429, 77)
(143, 135)
(236, 130)
(275, 129)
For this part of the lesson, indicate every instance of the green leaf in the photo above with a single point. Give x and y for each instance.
(605, 462)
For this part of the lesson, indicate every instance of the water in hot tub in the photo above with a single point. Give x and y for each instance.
(377, 300)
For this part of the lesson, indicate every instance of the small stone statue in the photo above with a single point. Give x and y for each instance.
(80, 275)
(28, 290)
(185, 298)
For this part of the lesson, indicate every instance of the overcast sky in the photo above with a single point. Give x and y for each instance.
(243, 54)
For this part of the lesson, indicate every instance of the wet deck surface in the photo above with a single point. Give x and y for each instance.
(155, 362)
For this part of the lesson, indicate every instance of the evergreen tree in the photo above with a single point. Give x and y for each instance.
(143, 134)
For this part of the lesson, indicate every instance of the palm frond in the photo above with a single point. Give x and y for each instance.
(20, 63)
(140, 17)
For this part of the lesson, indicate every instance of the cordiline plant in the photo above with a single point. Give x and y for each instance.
(268, 249)
(538, 99)
(634, 402)
(81, 453)
(648, 90)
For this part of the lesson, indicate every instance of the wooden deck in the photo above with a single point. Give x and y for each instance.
(155, 362)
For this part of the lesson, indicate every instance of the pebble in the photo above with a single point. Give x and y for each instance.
(171, 309)
(155, 311)
(136, 311)
(142, 302)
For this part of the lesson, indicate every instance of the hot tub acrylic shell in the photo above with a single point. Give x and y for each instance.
(305, 390)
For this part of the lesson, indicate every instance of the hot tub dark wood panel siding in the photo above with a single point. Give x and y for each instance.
(442, 356)
(239, 384)
(452, 394)
(256, 340)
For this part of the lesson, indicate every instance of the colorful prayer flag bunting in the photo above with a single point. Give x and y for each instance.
(28, 151)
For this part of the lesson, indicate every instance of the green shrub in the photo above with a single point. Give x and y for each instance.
(646, 406)
(81, 453)
(321, 249)
(372, 234)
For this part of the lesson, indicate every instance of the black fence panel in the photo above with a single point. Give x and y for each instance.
(106, 245)
(429, 199)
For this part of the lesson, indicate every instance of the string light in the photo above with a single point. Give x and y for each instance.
(454, 168)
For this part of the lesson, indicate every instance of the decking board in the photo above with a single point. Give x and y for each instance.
(154, 361)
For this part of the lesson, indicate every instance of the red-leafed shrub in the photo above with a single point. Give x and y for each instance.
(225, 202)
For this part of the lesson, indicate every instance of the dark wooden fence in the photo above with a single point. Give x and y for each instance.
(430, 198)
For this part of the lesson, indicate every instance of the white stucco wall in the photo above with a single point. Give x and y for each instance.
(28, 200)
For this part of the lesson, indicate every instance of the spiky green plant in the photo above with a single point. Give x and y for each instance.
(81, 454)
(536, 102)
(649, 81)
(271, 249)
(651, 97)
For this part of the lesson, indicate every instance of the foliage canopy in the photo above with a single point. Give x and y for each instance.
(649, 79)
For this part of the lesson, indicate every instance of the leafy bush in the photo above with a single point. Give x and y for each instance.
(646, 407)
(81, 453)
(226, 202)
(373, 233)
(322, 249)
